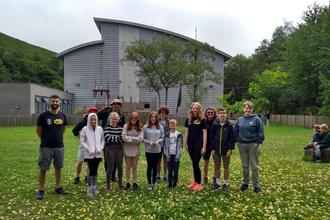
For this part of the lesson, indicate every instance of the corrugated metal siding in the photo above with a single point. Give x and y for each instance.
(98, 63)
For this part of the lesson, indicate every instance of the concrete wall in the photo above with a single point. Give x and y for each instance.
(19, 98)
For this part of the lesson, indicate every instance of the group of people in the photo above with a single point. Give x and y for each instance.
(321, 140)
(206, 133)
(266, 118)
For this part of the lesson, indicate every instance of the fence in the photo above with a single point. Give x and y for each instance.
(73, 119)
(292, 120)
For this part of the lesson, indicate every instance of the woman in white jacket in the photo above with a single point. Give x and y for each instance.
(92, 140)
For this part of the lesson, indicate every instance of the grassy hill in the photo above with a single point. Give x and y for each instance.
(24, 62)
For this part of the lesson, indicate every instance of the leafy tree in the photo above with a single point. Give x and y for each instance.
(160, 63)
(266, 89)
(199, 70)
(237, 76)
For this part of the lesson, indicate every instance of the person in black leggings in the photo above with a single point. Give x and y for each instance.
(195, 140)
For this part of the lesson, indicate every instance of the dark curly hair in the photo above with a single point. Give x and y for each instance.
(163, 108)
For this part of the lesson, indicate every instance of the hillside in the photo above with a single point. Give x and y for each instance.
(24, 62)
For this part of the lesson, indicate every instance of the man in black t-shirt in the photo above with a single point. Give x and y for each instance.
(50, 128)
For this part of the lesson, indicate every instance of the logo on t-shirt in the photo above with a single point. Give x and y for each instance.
(49, 121)
(58, 121)
(196, 122)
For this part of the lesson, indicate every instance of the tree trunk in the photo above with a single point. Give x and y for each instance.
(166, 93)
(158, 99)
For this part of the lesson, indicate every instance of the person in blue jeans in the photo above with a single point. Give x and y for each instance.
(173, 144)
(324, 143)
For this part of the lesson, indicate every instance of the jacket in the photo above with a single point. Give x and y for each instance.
(249, 130)
(325, 138)
(92, 140)
(179, 146)
(227, 139)
(79, 126)
(104, 114)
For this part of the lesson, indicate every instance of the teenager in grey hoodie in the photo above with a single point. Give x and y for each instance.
(249, 134)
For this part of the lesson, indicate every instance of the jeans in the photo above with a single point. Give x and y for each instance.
(173, 167)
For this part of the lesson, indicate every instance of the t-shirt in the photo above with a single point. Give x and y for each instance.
(173, 142)
(195, 135)
(52, 129)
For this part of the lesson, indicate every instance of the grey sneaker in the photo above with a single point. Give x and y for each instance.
(225, 187)
(40, 195)
(216, 187)
(94, 190)
(154, 187)
(89, 191)
(149, 187)
(206, 182)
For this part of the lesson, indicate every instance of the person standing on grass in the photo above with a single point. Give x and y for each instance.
(265, 118)
(76, 132)
(324, 143)
(195, 141)
(114, 149)
(92, 140)
(50, 128)
(104, 116)
(249, 134)
(268, 117)
(132, 136)
(163, 111)
(210, 116)
(153, 136)
(222, 138)
(173, 144)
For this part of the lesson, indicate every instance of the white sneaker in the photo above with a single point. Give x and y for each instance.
(94, 190)
(154, 187)
(149, 187)
(89, 191)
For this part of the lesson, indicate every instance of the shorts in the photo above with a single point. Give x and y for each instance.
(207, 154)
(217, 159)
(162, 155)
(81, 154)
(46, 155)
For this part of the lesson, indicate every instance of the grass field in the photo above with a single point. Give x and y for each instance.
(292, 188)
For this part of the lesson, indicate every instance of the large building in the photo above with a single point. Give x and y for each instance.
(99, 61)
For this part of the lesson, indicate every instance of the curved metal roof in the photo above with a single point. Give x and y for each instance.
(99, 21)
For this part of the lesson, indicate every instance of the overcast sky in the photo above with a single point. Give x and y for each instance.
(234, 27)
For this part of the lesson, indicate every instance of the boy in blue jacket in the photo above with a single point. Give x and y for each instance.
(223, 142)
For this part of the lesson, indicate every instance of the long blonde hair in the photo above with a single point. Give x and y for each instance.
(200, 114)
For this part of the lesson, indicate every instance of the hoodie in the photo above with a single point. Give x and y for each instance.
(249, 130)
(92, 140)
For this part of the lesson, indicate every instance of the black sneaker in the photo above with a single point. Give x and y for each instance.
(128, 186)
(114, 179)
(60, 190)
(257, 190)
(40, 195)
(85, 179)
(135, 186)
(244, 187)
(76, 180)
(216, 187)
(169, 186)
(175, 185)
(225, 187)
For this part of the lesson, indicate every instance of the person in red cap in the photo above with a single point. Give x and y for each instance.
(81, 156)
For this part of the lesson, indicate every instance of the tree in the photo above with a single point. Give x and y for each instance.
(237, 76)
(160, 63)
(199, 70)
(266, 90)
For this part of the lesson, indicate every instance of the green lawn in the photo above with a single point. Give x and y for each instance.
(292, 188)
